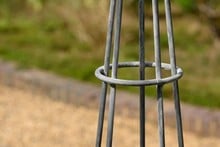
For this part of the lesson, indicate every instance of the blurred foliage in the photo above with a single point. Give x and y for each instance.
(188, 5)
(18, 5)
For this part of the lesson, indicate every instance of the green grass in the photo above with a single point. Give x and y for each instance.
(73, 46)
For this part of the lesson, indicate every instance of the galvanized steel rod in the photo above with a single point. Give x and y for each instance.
(156, 31)
(101, 114)
(114, 71)
(111, 116)
(142, 71)
(106, 71)
(161, 115)
(178, 114)
(156, 28)
(173, 72)
(170, 35)
(109, 36)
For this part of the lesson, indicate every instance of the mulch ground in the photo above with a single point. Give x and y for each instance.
(34, 120)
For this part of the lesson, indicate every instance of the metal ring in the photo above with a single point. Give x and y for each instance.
(99, 73)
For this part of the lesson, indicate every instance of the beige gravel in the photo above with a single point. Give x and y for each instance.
(31, 120)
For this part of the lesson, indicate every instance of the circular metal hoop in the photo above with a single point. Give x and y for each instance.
(100, 75)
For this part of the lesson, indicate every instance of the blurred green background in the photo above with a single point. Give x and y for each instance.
(68, 38)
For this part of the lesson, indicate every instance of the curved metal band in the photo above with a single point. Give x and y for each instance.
(99, 73)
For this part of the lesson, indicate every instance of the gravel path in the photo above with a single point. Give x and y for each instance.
(31, 120)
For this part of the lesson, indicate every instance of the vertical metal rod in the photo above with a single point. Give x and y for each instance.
(101, 114)
(111, 116)
(155, 7)
(173, 72)
(161, 115)
(142, 70)
(178, 114)
(106, 70)
(114, 71)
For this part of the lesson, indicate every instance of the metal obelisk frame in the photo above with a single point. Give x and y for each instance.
(108, 72)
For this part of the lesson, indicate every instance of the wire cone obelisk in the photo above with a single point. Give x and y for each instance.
(108, 73)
